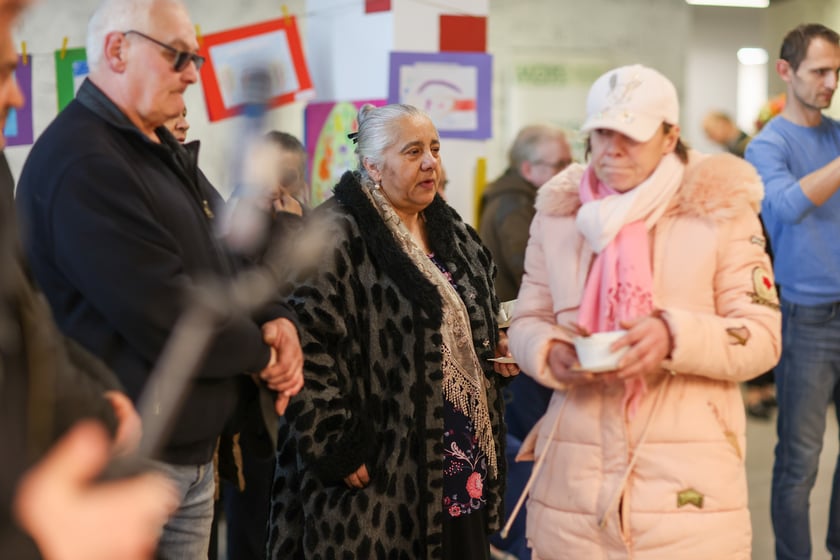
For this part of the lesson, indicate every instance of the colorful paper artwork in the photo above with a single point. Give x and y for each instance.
(330, 153)
(71, 69)
(18, 129)
(463, 33)
(454, 88)
(261, 63)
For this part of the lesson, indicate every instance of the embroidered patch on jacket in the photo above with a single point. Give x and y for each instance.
(740, 335)
(690, 496)
(765, 290)
(758, 240)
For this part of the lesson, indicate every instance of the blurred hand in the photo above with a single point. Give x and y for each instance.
(358, 479)
(72, 517)
(650, 344)
(284, 372)
(503, 350)
(129, 426)
(282, 201)
(563, 362)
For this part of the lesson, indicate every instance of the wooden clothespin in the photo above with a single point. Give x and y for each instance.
(287, 18)
(198, 34)
(23, 52)
(64, 47)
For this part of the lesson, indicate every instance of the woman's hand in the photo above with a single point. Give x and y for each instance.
(650, 344)
(503, 351)
(563, 361)
(358, 479)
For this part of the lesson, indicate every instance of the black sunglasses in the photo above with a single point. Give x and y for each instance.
(182, 58)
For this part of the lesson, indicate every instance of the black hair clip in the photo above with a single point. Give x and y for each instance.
(354, 136)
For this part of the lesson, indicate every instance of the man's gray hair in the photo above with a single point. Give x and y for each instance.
(379, 129)
(117, 15)
(524, 147)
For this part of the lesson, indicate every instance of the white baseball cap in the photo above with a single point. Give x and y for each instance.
(633, 100)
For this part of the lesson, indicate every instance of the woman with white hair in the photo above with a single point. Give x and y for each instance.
(644, 457)
(395, 447)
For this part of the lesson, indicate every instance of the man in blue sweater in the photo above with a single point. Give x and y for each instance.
(118, 225)
(798, 157)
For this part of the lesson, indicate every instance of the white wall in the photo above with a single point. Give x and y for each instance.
(578, 38)
(711, 69)
(348, 50)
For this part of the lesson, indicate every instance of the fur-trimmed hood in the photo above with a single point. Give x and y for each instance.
(714, 186)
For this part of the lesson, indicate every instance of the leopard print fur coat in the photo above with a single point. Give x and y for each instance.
(370, 334)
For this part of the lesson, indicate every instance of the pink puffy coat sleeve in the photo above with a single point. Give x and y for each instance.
(730, 330)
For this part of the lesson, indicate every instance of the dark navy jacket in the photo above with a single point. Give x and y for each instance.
(117, 230)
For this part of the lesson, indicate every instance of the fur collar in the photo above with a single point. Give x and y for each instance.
(441, 222)
(716, 187)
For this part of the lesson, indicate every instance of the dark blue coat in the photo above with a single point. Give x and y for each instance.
(117, 229)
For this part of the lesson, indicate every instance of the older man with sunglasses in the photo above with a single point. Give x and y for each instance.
(118, 227)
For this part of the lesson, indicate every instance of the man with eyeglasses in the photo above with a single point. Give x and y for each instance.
(538, 153)
(118, 228)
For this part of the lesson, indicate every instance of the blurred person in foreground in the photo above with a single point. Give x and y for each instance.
(646, 460)
(60, 410)
(396, 448)
(291, 192)
(797, 155)
(119, 229)
(278, 167)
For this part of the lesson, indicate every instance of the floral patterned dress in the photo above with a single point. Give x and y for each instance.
(464, 464)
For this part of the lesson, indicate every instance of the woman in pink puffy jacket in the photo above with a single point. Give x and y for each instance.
(644, 458)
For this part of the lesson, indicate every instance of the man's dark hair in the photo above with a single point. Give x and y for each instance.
(796, 42)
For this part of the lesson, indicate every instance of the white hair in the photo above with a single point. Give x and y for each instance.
(118, 15)
(378, 130)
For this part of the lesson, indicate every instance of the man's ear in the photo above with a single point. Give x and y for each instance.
(784, 70)
(114, 52)
(526, 169)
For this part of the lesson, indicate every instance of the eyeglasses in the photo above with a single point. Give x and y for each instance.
(182, 58)
(558, 166)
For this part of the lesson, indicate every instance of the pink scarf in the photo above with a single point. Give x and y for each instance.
(620, 284)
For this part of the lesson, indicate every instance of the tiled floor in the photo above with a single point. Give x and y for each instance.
(761, 439)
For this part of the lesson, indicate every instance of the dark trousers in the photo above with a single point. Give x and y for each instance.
(247, 511)
(465, 538)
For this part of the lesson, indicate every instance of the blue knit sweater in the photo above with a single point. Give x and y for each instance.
(804, 237)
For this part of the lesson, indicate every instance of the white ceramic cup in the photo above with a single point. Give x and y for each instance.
(593, 351)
